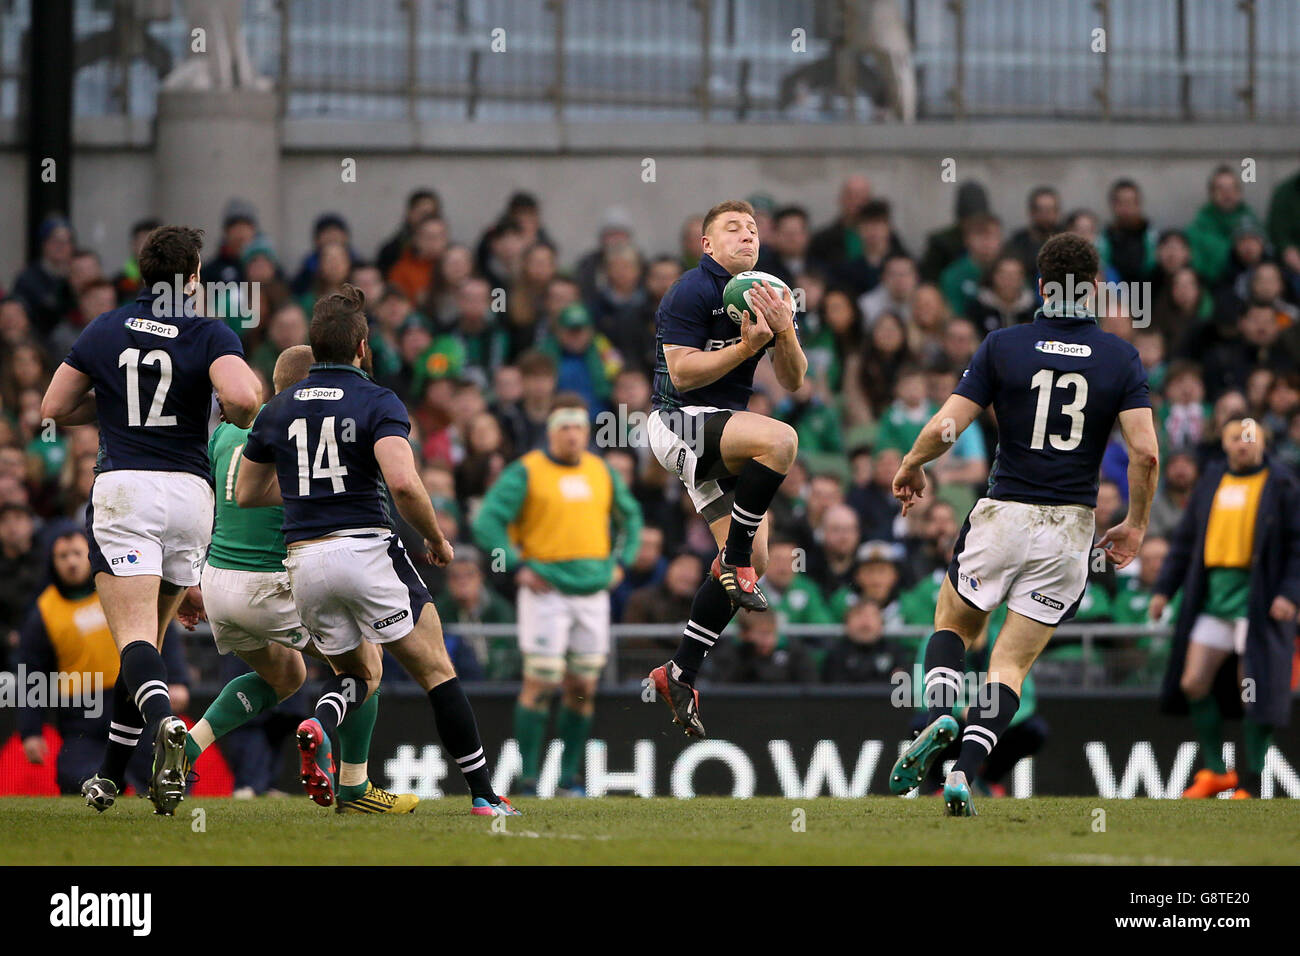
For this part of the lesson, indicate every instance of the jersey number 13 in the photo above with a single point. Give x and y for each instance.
(1043, 383)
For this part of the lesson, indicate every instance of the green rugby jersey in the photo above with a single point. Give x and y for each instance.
(243, 539)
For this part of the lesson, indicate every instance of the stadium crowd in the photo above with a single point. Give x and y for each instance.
(479, 333)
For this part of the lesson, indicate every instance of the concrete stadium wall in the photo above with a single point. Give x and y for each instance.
(580, 171)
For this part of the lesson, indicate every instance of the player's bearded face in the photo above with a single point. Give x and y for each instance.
(367, 359)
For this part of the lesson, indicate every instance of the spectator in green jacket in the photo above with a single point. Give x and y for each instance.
(793, 595)
(1210, 233)
(982, 236)
(1284, 223)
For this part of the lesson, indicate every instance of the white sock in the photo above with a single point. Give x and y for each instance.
(352, 774)
(201, 733)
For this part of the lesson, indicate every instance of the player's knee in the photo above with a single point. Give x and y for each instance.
(784, 446)
(544, 670)
(1194, 687)
(289, 677)
(586, 670)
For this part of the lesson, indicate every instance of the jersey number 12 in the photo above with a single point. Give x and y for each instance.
(130, 358)
(325, 464)
(1043, 383)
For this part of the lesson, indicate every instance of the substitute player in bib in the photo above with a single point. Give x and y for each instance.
(249, 604)
(329, 449)
(1235, 558)
(550, 515)
(731, 461)
(1057, 385)
(152, 366)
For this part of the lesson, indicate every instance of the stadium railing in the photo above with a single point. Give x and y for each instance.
(1084, 656)
(1176, 60)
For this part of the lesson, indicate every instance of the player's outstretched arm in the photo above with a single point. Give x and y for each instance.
(393, 453)
(256, 485)
(238, 389)
(938, 435)
(69, 400)
(1121, 542)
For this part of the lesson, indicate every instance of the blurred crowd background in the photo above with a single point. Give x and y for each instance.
(478, 332)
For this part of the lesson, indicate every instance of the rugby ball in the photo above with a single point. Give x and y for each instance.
(735, 297)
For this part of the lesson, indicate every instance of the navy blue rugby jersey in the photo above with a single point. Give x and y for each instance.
(1057, 385)
(153, 393)
(692, 314)
(320, 434)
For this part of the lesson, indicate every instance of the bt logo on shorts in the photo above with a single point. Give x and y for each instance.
(131, 557)
(969, 580)
(391, 619)
(1042, 598)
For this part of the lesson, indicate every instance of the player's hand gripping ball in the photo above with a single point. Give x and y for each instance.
(736, 295)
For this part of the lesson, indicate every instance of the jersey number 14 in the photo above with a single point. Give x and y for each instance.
(1043, 384)
(326, 463)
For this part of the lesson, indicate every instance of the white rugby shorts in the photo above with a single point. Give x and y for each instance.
(250, 609)
(1034, 557)
(150, 522)
(677, 441)
(355, 586)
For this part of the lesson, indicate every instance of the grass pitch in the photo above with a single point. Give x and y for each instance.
(623, 830)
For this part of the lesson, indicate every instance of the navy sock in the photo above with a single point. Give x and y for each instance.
(945, 667)
(710, 612)
(986, 722)
(338, 694)
(145, 675)
(459, 734)
(755, 488)
(124, 729)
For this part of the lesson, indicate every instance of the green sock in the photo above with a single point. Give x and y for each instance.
(239, 702)
(1209, 731)
(354, 741)
(573, 728)
(1257, 738)
(530, 729)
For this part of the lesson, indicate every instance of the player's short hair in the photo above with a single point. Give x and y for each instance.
(338, 325)
(1067, 254)
(727, 205)
(170, 251)
(292, 367)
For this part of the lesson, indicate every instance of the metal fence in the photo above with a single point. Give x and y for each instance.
(707, 60)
